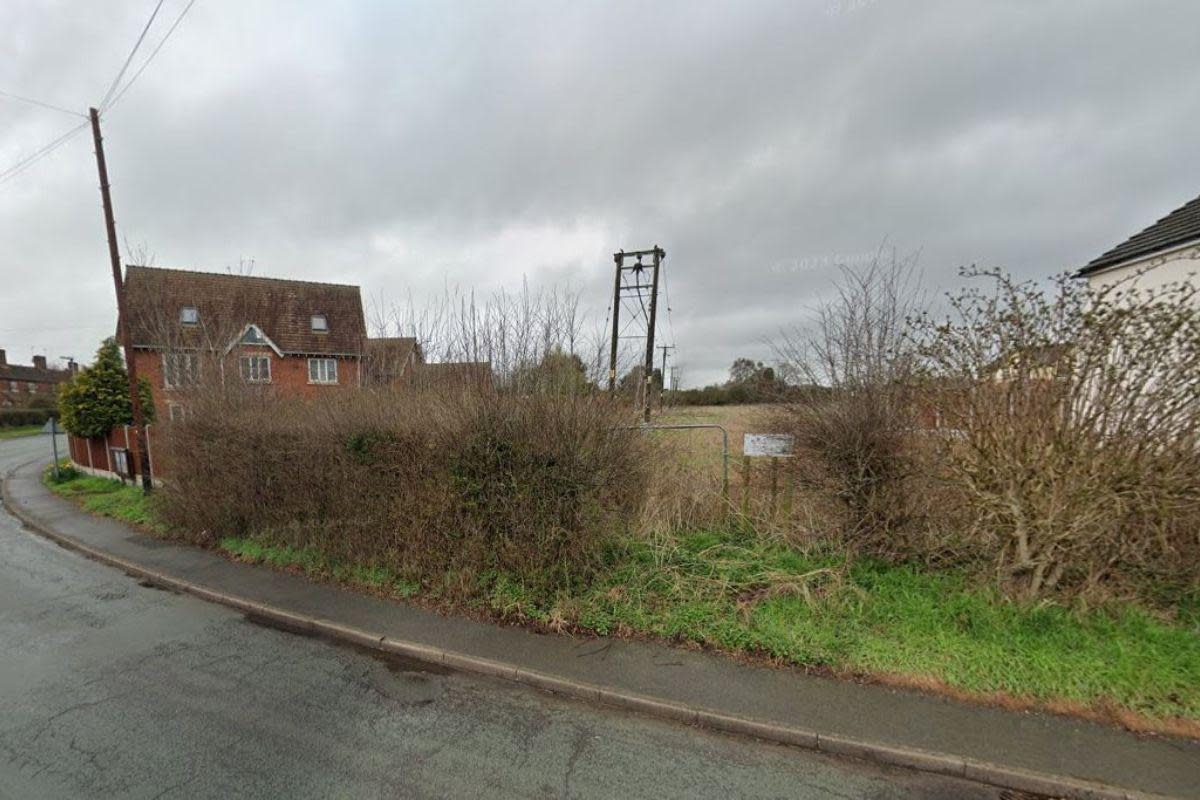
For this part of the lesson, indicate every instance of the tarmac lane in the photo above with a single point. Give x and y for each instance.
(111, 688)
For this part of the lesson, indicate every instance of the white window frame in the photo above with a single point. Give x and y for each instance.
(183, 315)
(192, 360)
(323, 371)
(323, 327)
(176, 412)
(251, 368)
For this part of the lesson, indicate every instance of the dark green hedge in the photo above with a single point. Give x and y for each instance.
(19, 417)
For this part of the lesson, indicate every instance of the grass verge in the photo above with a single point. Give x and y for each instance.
(747, 596)
(108, 498)
(19, 431)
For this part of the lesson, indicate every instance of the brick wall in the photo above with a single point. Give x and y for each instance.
(289, 375)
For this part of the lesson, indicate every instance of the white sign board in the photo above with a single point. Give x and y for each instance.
(768, 444)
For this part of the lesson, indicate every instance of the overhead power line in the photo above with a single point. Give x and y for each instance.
(129, 59)
(33, 102)
(31, 159)
(115, 92)
(153, 53)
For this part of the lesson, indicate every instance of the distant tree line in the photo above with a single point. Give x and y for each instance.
(749, 381)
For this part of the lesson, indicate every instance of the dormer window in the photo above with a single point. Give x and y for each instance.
(189, 315)
(319, 323)
(253, 335)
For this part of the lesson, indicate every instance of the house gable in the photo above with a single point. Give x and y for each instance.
(253, 335)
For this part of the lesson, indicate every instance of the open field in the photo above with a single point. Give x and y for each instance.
(738, 420)
(748, 596)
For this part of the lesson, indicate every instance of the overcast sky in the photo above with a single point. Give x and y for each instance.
(406, 147)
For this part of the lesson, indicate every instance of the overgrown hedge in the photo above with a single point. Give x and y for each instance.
(423, 485)
(19, 417)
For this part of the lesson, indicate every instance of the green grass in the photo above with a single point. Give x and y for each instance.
(314, 563)
(108, 498)
(874, 618)
(737, 593)
(18, 431)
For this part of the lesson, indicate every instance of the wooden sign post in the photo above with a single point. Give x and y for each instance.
(764, 445)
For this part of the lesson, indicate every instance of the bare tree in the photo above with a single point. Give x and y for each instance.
(853, 434)
(514, 332)
(1079, 445)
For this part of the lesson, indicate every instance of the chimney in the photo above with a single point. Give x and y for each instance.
(72, 366)
(3, 359)
(39, 362)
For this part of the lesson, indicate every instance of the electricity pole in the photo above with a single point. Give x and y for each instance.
(135, 400)
(619, 258)
(623, 289)
(658, 253)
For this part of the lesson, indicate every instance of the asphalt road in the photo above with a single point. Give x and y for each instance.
(113, 689)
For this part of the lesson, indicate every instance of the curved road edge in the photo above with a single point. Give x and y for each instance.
(937, 763)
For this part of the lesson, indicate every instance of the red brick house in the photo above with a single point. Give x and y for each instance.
(21, 384)
(298, 337)
(191, 328)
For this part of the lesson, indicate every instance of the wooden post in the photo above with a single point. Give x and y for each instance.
(114, 257)
(54, 445)
(649, 367)
(619, 259)
(745, 487)
(774, 485)
(789, 488)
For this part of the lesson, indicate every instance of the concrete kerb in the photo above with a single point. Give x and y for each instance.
(942, 764)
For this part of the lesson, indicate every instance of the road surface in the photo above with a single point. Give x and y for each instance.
(109, 688)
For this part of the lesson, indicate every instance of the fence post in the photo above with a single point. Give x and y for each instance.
(774, 485)
(54, 445)
(745, 487)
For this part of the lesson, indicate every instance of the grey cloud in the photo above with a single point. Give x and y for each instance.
(408, 147)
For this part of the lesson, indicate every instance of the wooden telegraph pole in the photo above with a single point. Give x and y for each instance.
(114, 256)
(649, 392)
(619, 258)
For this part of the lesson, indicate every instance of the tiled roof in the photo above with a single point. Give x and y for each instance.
(20, 372)
(458, 374)
(388, 357)
(282, 309)
(1179, 227)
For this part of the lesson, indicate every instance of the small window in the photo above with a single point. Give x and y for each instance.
(13, 386)
(322, 370)
(256, 369)
(319, 323)
(180, 369)
(175, 412)
(189, 315)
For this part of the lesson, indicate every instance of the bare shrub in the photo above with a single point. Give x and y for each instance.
(853, 424)
(421, 483)
(1078, 419)
(534, 340)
